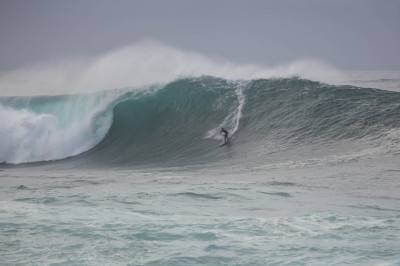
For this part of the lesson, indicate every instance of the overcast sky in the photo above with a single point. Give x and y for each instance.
(349, 34)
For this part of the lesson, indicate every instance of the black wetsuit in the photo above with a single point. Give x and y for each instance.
(225, 134)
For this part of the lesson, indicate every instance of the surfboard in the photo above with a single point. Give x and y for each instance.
(225, 143)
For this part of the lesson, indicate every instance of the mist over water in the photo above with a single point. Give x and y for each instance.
(143, 64)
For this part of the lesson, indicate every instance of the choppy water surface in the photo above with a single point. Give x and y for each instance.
(303, 216)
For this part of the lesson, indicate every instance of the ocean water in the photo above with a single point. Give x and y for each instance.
(136, 176)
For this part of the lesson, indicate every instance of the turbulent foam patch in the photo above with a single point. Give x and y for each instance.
(43, 129)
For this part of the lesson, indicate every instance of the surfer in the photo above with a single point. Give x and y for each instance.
(225, 133)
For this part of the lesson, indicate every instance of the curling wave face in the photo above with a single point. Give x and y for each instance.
(48, 128)
(178, 123)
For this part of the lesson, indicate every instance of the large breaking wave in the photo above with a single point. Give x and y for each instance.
(179, 122)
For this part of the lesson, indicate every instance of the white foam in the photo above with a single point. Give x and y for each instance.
(66, 130)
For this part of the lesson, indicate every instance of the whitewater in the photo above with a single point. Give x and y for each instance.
(115, 161)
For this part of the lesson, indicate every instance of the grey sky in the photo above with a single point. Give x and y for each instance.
(350, 34)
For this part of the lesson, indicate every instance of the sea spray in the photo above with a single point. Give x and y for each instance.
(143, 64)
